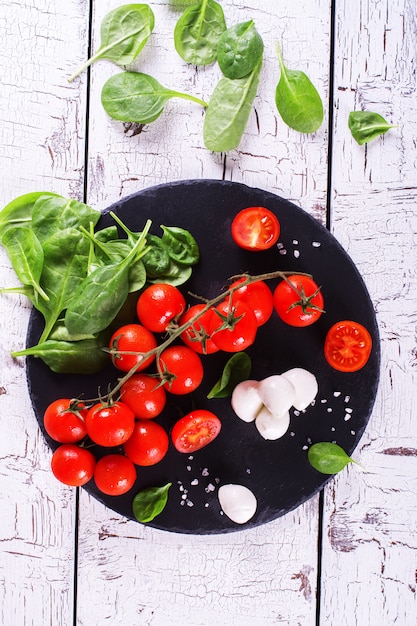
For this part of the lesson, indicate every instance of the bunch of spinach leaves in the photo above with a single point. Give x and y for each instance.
(80, 279)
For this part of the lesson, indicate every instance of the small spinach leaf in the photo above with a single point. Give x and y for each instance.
(239, 50)
(328, 458)
(365, 126)
(236, 370)
(137, 97)
(181, 245)
(156, 260)
(26, 255)
(197, 32)
(228, 111)
(149, 503)
(53, 214)
(19, 210)
(297, 100)
(124, 32)
(176, 274)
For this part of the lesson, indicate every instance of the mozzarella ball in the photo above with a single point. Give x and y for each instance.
(270, 426)
(246, 402)
(305, 384)
(277, 394)
(238, 502)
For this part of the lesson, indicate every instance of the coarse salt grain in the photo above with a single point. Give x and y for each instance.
(347, 417)
(194, 482)
(337, 394)
(296, 254)
(209, 488)
(316, 244)
(348, 410)
(205, 472)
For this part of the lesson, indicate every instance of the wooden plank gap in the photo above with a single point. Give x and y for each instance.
(331, 104)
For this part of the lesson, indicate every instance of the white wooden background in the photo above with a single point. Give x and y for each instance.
(355, 564)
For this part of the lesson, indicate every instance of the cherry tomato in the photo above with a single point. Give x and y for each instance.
(347, 346)
(182, 368)
(298, 300)
(255, 228)
(158, 305)
(110, 424)
(64, 420)
(195, 430)
(73, 465)
(114, 474)
(240, 326)
(143, 395)
(148, 444)
(197, 336)
(132, 338)
(257, 296)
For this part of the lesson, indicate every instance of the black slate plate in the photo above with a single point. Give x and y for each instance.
(277, 472)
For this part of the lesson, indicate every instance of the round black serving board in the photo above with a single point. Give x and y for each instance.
(277, 472)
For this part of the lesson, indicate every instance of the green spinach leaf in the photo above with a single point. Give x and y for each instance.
(181, 245)
(26, 255)
(327, 457)
(19, 210)
(239, 50)
(297, 100)
(176, 274)
(236, 370)
(138, 97)
(197, 32)
(228, 111)
(53, 214)
(124, 32)
(156, 260)
(365, 126)
(149, 503)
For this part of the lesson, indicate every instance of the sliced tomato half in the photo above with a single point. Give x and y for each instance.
(195, 430)
(255, 228)
(347, 346)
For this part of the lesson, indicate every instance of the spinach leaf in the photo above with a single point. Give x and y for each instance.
(239, 50)
(71, 357)
(236, 370)
(176, 274)
(297, 100)
(137, 275)
(19, 210)
(181, 245)
(137, 97)
(101, 295)
(26, 255)
(198, 31)
(228, 111)
(64, 268)
(156, 260)
(365, 126)
(124, 32)
(53, 214)
(328, 458)
(149, 503)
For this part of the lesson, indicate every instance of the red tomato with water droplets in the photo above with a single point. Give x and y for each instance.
(114, 474)
(197, 336)
(144, 395)
(233, 326)
(195, 430)
(158, 305)
(73, 465)
(182, 368)
(298, 300)
(257, 296)
(110, 424)
(64, 420)
(132, 338)
(148, 444)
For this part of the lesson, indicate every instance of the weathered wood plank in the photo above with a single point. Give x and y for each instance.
(369, 561)
(41, 147)
(267, 575)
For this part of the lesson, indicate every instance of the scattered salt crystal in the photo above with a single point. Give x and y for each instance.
(347, 417)
(333, 429)
(292, 434)
(347, 398)
(353, 432)
(206, 504)
(283, 251)
(323, 401)
(313, 403)
(296, 254)
(329, 409)
(280, 245)
(205, 472)
(189, 503)
(248, 470)
(190, 458)
(296, 413)
(316, 244)
(348, 410)
(184, 496)
(217, 480)
(182, 502)
(181, 487)
(295, 241)
(189, 468)
(337, 394)
(194, 482)
(209, 488)
(305, 447)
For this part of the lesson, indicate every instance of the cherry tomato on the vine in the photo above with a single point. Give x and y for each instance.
(195, 430)
(114, 474)
(255, 228)
(347, 346)
(158, 305)
(197, 336)
(148, 444)
(257, 296)
(64, 420)
(233, 326)
(132, 338)
(110, 424)
(143, 394)
(298, 300)
(182, 369)
(73, 465)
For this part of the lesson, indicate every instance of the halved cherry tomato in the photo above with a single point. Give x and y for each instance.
(257, 296)
(255, 228)
(148, 444)
(73, 465)
(132, 338)
(197, 336)
(298, 300)
(64, 420)
(195, 430)
(114, 474)
(110, 424)
(158, 305)
(143, 394)
(347, 346)
(233, 326)
(182, 368)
